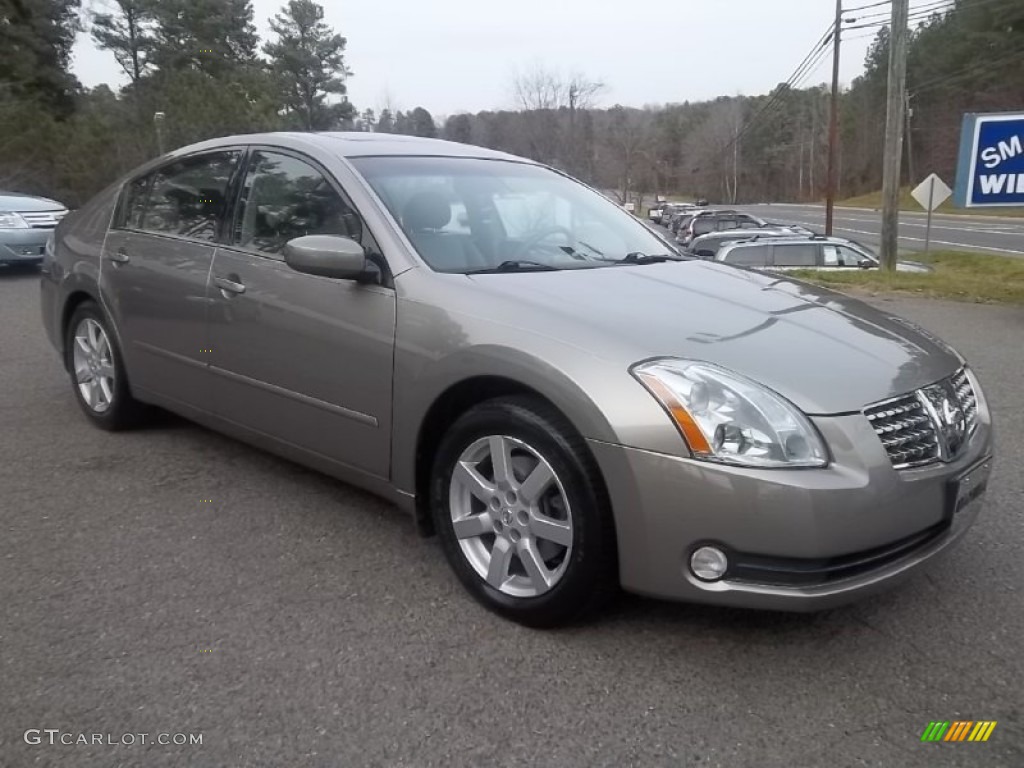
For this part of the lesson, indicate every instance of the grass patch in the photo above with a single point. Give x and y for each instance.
(958, 275)
(907, 203)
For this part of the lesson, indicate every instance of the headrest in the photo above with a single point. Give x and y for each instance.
(426, 210)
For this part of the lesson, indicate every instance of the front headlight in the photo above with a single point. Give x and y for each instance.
(11, 220)
(728, 418)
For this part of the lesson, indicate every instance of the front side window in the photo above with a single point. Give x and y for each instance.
(134, 203)
(796, 255)
(467, 215)
(189, 196)
(842, 256)
(284, 198)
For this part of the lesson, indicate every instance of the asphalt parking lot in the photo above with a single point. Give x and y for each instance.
(174, 581)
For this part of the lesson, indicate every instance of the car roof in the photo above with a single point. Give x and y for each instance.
(357, 144)
(794, 240)
(749, 234)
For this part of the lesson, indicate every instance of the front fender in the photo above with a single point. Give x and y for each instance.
(420, 383)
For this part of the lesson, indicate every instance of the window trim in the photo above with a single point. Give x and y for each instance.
(151, 174)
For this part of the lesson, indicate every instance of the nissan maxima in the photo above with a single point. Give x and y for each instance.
(537, 378)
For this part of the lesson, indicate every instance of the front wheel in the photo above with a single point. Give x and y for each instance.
(522, 514)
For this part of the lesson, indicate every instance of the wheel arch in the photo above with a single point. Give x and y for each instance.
(75, 299)
(448, 406)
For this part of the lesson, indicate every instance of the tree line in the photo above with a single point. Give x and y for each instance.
(203, 66)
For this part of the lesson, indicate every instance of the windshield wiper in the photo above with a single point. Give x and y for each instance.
(515, 265)
(642, 258)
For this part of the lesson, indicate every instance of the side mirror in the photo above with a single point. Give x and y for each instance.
(326, 255)
(866, 264)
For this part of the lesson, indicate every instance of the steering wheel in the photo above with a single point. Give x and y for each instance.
(535, 237)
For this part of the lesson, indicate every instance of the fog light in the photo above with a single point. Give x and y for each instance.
(709, 563)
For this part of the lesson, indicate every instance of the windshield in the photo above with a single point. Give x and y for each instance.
(470, 215)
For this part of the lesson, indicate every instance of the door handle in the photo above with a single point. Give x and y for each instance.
(120, 256)
(227, 286)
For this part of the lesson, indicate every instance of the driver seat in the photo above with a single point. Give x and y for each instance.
(424, 218)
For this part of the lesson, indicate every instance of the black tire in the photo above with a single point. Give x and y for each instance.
(591, 576)
(124, 411)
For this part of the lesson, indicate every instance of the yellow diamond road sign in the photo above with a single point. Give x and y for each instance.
(931, 193)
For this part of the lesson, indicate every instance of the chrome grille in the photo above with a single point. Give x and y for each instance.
(43, 219)
(932, 424)
(968, 400)
(906, 431)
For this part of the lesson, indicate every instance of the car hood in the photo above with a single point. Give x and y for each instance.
(823, 351)
(12, 201)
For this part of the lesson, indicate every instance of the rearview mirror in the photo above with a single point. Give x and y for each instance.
(327, 256)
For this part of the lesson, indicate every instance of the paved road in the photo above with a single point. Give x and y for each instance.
(294, 621)
(984, 234)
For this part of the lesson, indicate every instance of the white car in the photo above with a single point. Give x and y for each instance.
(781, 254)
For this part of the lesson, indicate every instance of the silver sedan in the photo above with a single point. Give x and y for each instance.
(548, 386)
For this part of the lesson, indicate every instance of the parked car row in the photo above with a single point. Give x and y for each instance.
(743, 239)
(666, 213)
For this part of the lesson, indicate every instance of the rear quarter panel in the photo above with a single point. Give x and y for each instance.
(73, 267)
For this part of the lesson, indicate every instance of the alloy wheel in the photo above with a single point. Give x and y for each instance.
(511, 516)
(93, 361)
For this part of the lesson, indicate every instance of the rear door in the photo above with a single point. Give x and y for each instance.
(756, 256)
(156, 261)
(306, 360)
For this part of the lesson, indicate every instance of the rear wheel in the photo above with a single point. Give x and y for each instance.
(522, 515)
(97, 373)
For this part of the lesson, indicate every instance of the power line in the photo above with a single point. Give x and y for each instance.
(865, 7)
(911, 17)
(974, 69)
(776, 98)
(913, 9)
(925, 10)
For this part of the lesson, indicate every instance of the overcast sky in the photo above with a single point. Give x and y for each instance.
(462, 55)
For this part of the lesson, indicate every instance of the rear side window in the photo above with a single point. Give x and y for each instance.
(748, 256)
(796, 255)
(284, 198)
(189, 196)
(702, 225)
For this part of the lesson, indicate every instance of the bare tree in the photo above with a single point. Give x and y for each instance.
(551, 103)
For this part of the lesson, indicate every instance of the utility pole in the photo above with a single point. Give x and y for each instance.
(833, 123)
(894, 134)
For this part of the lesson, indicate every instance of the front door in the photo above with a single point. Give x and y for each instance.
(156, 263)
(301, 358)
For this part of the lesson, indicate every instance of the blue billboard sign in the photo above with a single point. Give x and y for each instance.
(990, 172)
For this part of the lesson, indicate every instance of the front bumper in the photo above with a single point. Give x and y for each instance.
(23, 246)
(801, 539)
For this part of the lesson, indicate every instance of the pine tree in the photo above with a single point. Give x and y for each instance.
(35, 51)
(129, 34)
(309, 62)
